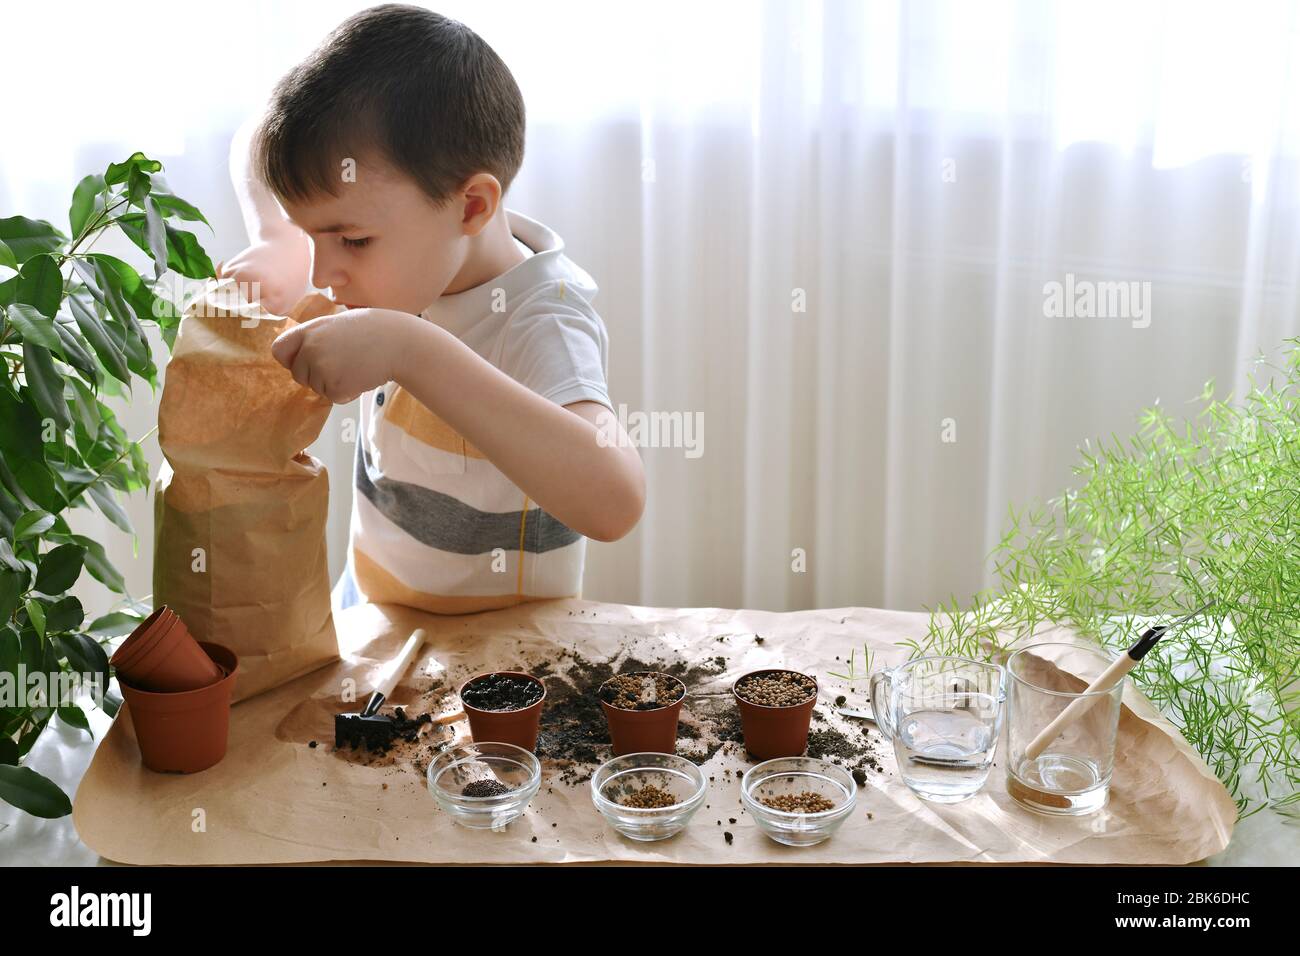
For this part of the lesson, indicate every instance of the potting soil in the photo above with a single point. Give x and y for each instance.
(574, 736)
(502, 692)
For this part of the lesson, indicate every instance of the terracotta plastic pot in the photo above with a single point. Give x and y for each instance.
(184, 732)
(164, 658)
(644, 731)
(772, 732)
(518, 727)
(143, 637)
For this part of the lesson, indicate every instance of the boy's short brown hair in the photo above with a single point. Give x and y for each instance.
(418, 90)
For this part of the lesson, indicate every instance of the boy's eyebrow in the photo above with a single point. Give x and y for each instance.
(340, 227)
(337, 227)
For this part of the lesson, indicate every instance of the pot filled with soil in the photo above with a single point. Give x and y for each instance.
(775, 711)
(184, 731)
(162, 656)
(641, 709)
(504, 707)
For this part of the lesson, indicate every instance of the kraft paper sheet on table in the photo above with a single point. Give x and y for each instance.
(265, 803)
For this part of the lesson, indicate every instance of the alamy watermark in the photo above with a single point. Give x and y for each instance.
(1085, 299)
(39, 688)
(657, 429)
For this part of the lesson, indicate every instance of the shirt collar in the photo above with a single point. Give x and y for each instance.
(460, 311)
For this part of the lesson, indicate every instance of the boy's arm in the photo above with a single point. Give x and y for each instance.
(279, 255)
(263, 217)
(575, 461)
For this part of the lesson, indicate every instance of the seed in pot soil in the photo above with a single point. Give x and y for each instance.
(575, 735)
(649, 797)
(805, 802)
(641, 691)
(777, 688)
(501, 692)
(485, 788)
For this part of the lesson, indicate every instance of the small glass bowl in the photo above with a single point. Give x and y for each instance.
(790, 775)
(457, 767)
(616, 778)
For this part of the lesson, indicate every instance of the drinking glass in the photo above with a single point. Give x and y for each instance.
(1072, 774)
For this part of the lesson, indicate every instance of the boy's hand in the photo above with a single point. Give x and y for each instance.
(282, 267)
(340, 356)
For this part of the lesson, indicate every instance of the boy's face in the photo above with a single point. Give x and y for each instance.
(382, 243)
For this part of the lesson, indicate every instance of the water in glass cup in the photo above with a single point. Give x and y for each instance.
(944, 716)
(945, 754)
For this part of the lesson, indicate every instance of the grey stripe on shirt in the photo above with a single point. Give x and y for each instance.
(447, 523)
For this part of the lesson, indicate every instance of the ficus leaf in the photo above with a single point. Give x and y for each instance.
(41, 284)
(175, 207)
(184, 253)
(120, 172)
(34, 326)
(36, 614)
(74, 349)
(45, 385)
(97, 334)
(85, 654)
(97, 563)
(31, 525)
(32, 793)
(73, 716)
(87, 199)
(156, 235)
(137, 186)
(29, 237)
(114, 624)
(59, 569)
(11, 590)
(109, 505)
(65, 614)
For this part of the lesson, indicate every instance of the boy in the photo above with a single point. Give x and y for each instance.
(488, 449)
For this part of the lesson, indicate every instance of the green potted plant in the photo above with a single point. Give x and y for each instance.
(72, 333)
(1184, 514)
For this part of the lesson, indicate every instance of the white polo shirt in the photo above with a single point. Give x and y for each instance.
(437, 526)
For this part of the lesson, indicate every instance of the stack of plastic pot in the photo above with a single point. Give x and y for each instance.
(178, 692)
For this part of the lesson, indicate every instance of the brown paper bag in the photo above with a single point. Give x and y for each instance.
(239, 507)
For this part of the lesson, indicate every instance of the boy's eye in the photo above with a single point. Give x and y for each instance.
(355, 243)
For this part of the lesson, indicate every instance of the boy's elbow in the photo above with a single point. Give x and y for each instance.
(623, 511)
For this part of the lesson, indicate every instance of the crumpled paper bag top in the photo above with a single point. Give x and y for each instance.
(227, 403)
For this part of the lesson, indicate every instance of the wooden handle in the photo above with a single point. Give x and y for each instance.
(395, 668)
(1109, 678)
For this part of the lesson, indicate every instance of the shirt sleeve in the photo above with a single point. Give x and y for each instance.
(560, 350)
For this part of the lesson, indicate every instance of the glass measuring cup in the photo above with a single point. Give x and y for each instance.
(944, 716)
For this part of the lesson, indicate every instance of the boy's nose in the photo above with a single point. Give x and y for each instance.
(325, 274)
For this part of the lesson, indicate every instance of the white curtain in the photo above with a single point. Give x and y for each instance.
(826, 231)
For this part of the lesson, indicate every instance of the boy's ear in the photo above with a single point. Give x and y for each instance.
(482, 197)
